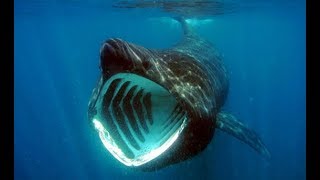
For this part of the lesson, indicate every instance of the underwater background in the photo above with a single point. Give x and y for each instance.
(56, 67)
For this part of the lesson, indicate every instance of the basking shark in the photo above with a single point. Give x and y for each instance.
(154, 108)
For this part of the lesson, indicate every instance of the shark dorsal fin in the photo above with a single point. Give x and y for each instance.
(186, 27)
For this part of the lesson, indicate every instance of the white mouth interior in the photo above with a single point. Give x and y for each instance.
(137, 119)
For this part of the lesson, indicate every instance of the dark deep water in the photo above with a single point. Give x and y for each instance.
(56, 67)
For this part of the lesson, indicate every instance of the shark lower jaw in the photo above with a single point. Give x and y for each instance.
(137, 119)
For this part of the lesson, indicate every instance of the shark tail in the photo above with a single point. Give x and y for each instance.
(187, 28)
(229, 124)
(188, 24)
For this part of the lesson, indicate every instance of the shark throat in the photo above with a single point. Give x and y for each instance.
(137, 119)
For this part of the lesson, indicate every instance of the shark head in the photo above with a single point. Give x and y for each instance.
(151, 108)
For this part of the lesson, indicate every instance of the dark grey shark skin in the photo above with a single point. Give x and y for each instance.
(194, 73)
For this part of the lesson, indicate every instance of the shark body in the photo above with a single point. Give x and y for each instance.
(153, 108)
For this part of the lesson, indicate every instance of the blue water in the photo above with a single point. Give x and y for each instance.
(56, 60)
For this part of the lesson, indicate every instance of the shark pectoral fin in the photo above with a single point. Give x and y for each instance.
(229, 124)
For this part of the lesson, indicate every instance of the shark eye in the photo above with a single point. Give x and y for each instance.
(137, 119)
(146, 64)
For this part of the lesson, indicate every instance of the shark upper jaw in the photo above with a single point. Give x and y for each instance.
(137, 119)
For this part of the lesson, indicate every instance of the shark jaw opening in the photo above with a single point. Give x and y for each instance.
(137, 119)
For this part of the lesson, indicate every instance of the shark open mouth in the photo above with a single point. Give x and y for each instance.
(137, 119)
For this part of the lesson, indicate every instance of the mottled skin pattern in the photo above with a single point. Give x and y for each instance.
(198, 81)
(192, 71)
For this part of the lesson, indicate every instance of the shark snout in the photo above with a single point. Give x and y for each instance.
(114, 57)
